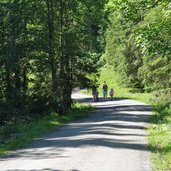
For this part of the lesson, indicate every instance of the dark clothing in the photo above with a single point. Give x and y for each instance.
(94, 88)
(105, 87)
(94, 93)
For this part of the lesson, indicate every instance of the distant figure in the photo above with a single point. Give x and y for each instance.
(111, 93)
(94, 93)
(97, 96)
(105, 88)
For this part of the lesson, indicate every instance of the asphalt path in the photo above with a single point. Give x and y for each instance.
(112, 138)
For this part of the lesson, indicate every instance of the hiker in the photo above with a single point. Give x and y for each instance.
(105, 90)
(111, 93)
(97, 96)
(94, 93)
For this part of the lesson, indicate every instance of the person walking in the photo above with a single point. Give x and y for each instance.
(111, 93)
(105, 88)
(94, 92)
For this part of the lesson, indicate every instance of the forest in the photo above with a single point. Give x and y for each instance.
(138, 44)
(138, 47)
(48, 48)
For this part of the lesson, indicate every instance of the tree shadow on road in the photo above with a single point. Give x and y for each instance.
(100, 99)
(47, 169)
(111, 125)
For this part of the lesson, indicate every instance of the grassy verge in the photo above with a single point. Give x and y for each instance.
(111, 78)
(22, 134)
(160, 128)
(160, 137)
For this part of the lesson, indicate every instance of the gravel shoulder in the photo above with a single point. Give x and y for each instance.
(112, 138)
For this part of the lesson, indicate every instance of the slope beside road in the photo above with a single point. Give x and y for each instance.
(112, 138)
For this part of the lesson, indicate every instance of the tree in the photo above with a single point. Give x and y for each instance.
(47, 48)
(146, 47)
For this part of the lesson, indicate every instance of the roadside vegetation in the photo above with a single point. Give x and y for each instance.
(160, 124)
(47, 48)
(138, 50)
(14, 136)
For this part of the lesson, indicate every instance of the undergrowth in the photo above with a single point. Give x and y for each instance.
(14, 136)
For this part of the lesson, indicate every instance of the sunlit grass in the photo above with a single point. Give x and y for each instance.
(160, 138)
(160, 128)
(108, 75)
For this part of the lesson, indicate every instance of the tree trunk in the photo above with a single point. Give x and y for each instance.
(65, 80)
(8, 80)
(17, 78)
(25, 79)
(52, 54)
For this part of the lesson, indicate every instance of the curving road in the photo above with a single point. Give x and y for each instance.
(112, 138)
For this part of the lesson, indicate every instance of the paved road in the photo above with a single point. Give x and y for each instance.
(112, 138)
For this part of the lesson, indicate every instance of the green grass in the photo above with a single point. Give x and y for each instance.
(107, 75)
(160, 128)
(160, 138)
(112, 78)
(26, 133)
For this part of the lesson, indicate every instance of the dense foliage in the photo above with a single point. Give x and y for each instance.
(138, 43)
(47, 48)
(138, 47)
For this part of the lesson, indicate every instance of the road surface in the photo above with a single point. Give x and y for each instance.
(112, 138)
